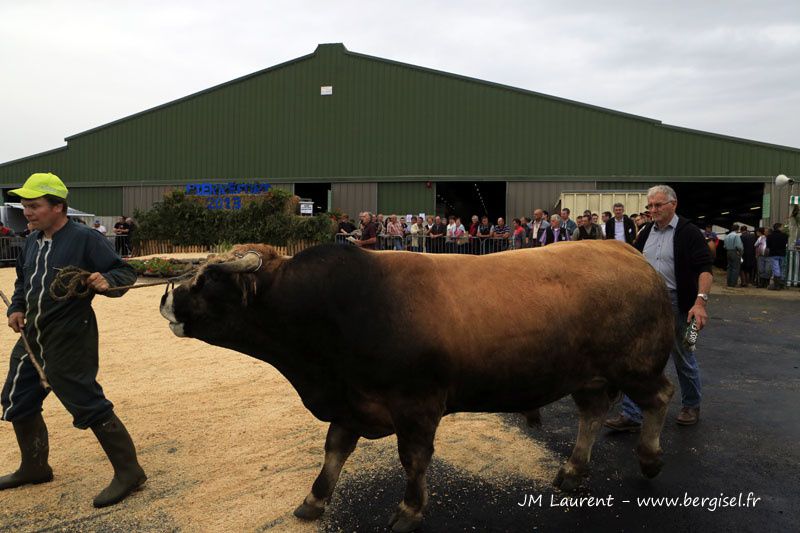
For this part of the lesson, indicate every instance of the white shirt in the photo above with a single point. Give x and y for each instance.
(101, 228)
(619, 229)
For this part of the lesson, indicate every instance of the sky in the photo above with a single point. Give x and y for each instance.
(728, 67)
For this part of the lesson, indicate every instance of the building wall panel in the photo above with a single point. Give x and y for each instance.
(599, 201)
(523, 197)
(779, 202)
(352, 198)
(143, 198)
(404, 198)
(102, 201)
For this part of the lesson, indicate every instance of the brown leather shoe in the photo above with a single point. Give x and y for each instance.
(623, 423)
(688, 416)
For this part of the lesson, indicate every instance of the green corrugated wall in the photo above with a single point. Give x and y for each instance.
(104, 201)
(405, 198)
(390, 122)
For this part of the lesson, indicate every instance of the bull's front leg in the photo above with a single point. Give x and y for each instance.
(416, 429)
(339, 444)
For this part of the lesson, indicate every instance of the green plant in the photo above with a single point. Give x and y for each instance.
(158, 266)
(267, 219)
(138, 265)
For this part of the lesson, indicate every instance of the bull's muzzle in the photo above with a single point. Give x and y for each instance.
(168, 311)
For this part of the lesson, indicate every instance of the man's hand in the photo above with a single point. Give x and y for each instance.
(698, 312)
(16, 321)
(97, 282)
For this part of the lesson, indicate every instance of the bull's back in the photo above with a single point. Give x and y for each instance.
(535, 322)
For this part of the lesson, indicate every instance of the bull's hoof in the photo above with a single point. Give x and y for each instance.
(403, 522)
(649, 463)
(568, 481)
(306, 511)
(652, 468)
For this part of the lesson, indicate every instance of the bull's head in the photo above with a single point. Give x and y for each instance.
(211, 306)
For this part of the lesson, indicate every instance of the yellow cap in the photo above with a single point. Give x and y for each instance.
(40, 184)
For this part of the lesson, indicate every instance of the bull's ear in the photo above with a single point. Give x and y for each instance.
(251, 261)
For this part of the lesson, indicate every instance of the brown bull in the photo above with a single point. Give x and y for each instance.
(339, 323)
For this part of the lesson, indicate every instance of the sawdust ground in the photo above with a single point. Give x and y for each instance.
(224, 438)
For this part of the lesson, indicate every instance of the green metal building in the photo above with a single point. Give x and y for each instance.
(365, 133)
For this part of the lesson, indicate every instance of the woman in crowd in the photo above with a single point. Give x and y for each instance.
(394, 229)
(519, 234)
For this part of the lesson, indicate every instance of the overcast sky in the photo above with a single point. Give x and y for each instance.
(725, 67)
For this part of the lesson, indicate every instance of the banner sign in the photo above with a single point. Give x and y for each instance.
(225, 195)
(221, 189)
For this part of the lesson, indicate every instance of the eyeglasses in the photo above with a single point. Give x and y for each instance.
(658, 205)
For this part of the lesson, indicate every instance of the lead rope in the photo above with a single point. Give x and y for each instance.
(70, 282)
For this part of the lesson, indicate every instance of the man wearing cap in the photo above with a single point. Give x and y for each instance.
(99, 227)
(63, 338)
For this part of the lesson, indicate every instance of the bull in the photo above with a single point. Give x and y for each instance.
(339, 323)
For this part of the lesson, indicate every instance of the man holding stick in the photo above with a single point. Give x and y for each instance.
(63, 339)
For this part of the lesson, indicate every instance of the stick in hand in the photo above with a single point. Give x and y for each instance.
(32, 357)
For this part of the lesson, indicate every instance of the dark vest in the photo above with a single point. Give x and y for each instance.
(583, 234)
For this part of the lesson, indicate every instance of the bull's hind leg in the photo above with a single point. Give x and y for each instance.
(416, 429)
(654, 411)
(593, 403)
(339, 444)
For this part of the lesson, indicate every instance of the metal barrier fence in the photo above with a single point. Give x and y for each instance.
(10, 248)
(466, 245)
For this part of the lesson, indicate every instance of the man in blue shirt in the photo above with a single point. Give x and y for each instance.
(677, 250)
(733, 249)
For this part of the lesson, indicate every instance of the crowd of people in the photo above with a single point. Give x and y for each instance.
(436, 234)
(752, 258)
(122, 231)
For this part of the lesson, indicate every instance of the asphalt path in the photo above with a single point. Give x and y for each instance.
(745, 443)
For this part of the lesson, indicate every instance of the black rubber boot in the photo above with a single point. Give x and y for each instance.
(128, 475)
(34, 447)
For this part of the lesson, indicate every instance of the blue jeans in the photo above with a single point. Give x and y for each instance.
(764, 266)
(734, 264)
(777, 266)
(685, 366)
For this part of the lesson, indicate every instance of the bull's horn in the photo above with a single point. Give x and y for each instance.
(249, 262)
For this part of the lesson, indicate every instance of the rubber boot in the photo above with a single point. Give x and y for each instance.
(128, 475)
(34, 447)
